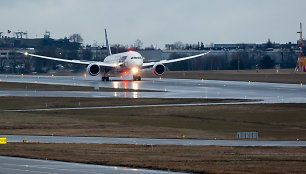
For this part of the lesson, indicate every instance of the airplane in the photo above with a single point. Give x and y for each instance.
(121, 63)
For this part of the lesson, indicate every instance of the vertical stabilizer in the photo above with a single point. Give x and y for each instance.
(107, 44)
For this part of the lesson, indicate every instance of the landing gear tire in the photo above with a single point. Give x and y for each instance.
(135, 78)
(105, 78)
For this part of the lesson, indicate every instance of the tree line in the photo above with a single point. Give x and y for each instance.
(241, 59)
(71, 48)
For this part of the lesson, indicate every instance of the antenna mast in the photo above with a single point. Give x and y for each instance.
(301, 31)
(301, 41)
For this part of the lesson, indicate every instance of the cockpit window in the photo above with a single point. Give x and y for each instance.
(136, 57)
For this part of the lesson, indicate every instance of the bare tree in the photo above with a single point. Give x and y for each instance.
(2, 63)
(179, 45)
(138, 44)
(76, 38)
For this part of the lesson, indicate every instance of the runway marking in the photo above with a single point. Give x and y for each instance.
(134, 106)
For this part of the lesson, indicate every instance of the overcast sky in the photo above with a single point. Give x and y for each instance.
(157, 21)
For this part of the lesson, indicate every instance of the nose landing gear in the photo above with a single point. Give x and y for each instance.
(136, 77)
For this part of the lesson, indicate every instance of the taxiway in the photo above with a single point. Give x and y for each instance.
(148, 141)
(23, 165)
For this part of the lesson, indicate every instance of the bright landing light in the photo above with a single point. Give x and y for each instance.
(135, 70)
(26, 53)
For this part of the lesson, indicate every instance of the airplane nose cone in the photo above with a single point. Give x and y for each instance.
(138, 63)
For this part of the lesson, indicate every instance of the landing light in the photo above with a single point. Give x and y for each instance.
(26, 53)
(116, 85)
(135, 70)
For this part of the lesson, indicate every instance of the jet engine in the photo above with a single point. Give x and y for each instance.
(93, 69)
(159, 69)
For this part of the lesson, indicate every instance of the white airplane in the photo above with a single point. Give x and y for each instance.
(121, 63)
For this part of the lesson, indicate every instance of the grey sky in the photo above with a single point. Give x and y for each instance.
(157, 21)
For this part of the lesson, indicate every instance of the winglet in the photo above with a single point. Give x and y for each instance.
(107, 44)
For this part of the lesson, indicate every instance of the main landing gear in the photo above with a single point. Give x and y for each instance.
(105, 77)
(136, 77)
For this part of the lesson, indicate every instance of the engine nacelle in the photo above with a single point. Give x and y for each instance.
(93, 69)
(159, 69)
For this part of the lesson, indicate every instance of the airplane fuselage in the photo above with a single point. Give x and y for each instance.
(125, 60)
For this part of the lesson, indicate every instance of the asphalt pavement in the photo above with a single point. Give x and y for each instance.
(149, 141)
(172, 88)
(15, 165)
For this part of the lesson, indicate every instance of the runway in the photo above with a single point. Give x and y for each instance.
(173, 88)
(23, 165)
(147, 141)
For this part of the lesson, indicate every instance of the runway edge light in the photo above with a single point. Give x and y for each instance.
(3, 140)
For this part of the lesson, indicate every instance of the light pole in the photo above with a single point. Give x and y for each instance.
(238, 59)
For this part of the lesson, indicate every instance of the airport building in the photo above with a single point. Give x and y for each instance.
(7, 52)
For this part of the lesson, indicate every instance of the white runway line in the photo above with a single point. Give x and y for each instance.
(134, 106)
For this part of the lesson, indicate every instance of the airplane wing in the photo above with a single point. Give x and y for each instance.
(149, 64)
(110, 65)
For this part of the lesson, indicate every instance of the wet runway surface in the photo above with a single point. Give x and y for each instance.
(22, 165)
(147, 141)
(174, 88)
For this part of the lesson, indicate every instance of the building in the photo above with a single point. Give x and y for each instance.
(7, 52)
(234, 46)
